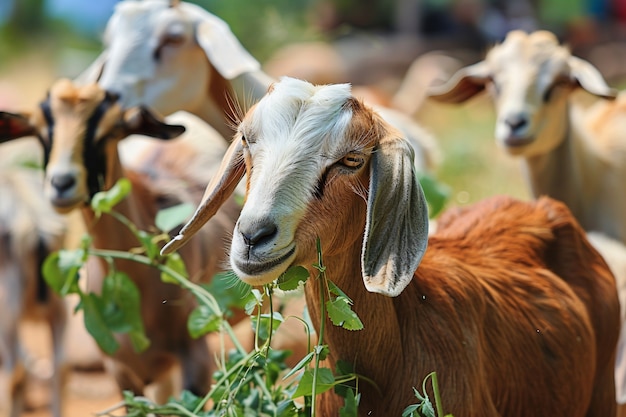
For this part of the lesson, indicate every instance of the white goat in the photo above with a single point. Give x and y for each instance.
(510, 305)
(578, 158)
(80, 129)
(152, 44)
(29, 231)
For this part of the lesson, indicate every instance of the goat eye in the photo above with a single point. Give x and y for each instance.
(173, 39)
(170, 39)
(353, 161)
(547, 95)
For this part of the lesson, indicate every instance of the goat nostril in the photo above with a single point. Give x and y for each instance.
(63, 182)
(516, 122)
(260, 235)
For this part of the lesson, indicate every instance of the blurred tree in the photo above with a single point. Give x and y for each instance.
(27, 17)
(262, 26)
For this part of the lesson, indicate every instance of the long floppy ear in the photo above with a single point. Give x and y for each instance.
(589, 78)
(396, 231)
(222, 185)
(464, 84)
(14, 126)
(140, 120)
(221, 46)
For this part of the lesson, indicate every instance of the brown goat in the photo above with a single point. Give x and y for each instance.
(80, 129)
(510, 305)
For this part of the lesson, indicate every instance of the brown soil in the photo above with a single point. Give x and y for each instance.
(87, 392)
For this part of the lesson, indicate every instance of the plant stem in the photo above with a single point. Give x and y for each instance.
(437, 395)
(322, 289)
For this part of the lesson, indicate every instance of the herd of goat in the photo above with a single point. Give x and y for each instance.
(515, 304)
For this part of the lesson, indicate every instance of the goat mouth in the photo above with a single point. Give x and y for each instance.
(65, 205)
(517, 142)
(257, 268)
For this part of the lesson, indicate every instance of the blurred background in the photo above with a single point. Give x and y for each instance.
(369, 43)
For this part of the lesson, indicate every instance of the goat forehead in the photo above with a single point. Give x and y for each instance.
(131, 41)
(298, 118)
(532, 57)
(66, 99)
(73, 107)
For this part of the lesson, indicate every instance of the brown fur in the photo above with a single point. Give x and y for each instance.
(501, 289)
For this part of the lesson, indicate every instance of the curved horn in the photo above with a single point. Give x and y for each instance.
(219, 189)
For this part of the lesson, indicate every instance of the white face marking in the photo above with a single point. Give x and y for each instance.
(525, 70)
(150, 48)
(292, 136)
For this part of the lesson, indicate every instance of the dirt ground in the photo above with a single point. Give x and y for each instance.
(88, 392)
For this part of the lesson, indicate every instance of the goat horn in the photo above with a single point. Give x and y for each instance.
(222, 185)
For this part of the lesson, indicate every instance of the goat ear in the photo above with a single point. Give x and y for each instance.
(396, 231)
(15, 126)
(140, 120)
(220, 45)
(222, 185)
(589, 78)
(464, 84)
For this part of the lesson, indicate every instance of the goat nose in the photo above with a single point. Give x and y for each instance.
(259, 234)
(516, 122)
(63, 182)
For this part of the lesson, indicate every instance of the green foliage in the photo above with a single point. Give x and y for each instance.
(425, 407)
(292, 278)
(266, 25)
(340, 311)
(436, 193)
(104, 201)
(256, 383)
(171, 217)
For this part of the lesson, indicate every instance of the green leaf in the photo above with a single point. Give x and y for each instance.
(121, 308)
(342, 315)
(139, 340)
(60, 270)
(172, 217)
(189, 400)
(303, 362)
(96, 324)
(334, 289)
(436, 193)
(202, 321)
(325, 382)
(291, 279)
(342, 369)
(229, 291)
(104, 201)
(411, 410)
(264, 326)
(351, 405)
(148, 243)
(176, 263)
(256, 299)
